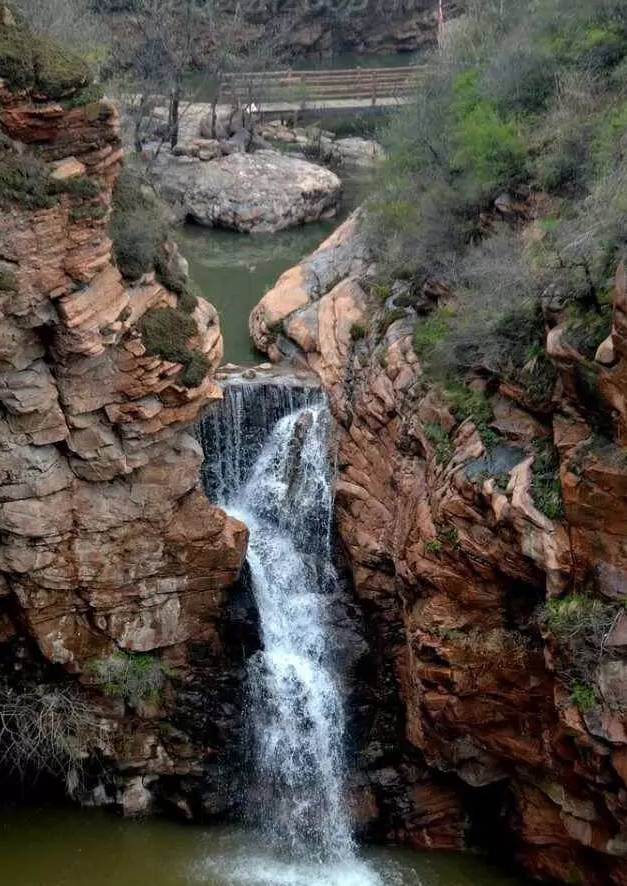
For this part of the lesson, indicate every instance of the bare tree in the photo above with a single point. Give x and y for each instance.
(165, 40)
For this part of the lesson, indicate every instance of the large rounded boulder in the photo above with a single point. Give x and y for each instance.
(261, 192)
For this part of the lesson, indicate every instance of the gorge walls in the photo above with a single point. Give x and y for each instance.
(485, 609)
(113, 565)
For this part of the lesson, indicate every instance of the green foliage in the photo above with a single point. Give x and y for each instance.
(467, 404)
(358, 332)
(433, 546)
(584, 697)
(488, 148)
(29, 62)
(580, 623)
(546, 488)
(91, 94)
(24, 181)
(137, 226)
(58, 71)
(80, 186)
(430, 330)
(438, 437)
(587, 329)
(450, 535)
(166, 333)
(133, 677)
(195, 370)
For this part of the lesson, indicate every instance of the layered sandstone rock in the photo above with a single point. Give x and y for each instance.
(260, 192)
(108, 546)
(453, 561)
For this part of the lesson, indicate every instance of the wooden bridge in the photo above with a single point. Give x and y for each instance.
(274, 91)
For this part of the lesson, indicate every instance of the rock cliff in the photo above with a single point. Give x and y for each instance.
(112, 563)
(504, 629)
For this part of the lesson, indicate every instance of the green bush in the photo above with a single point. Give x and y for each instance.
(438, 437)
(358, 331)
(29, 62)
(546, 487)
(587, 329)
(430, 330)
(580, 623)
(195, 370)
(137, 226)
(433, 546)
(133, 677)
(488, 148)
(584, 697)
(166, 333)
(79, 186)
(467, 404)
(24, 180)
(58, 71)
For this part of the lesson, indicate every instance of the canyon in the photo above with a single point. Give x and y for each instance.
(124, 584)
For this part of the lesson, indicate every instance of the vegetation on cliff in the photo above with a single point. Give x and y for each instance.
(504, 193)
(29, 61)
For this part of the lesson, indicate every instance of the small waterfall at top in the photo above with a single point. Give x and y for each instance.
(268, 464)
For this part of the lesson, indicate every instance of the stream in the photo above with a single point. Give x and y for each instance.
(233, 271)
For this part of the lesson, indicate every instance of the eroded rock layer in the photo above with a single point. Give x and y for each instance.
(112, 562)
(457, 568)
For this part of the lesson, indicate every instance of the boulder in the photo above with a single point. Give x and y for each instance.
(363, 152)
(263, 192)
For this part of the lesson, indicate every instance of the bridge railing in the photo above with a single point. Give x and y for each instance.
(323, 85)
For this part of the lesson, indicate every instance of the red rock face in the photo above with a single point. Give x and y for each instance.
(107, 542)
(448, 547)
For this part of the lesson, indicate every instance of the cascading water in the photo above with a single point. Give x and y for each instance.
(269, 465)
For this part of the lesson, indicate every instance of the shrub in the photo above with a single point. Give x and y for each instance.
(166, 333)
(584, 697)
(580, 624)
(195, 370)
(358, 331)
(30, 62)
(89, 95)
(438, 437)
(433, 546)
(430, 330)
(24, 180)
(587, 329)
(546, 488)
(487, 147)
(468, 404)
(47, 729)
(136, 236)
(79, 186)
(137, 226)
(57, 70)
(132, 676)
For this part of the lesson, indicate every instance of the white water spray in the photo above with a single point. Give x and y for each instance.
(281, 485)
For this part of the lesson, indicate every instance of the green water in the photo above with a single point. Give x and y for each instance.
(67, 847)
(233, 271)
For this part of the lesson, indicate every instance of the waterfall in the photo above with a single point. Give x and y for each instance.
(268, 464)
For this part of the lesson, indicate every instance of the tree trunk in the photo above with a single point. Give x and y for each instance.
(175, 101)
